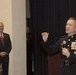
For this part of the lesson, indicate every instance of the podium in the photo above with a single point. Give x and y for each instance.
(54, 62)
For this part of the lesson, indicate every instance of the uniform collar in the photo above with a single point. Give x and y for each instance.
(73, 36)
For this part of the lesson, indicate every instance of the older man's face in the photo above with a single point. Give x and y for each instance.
(1, 27)
(70, 27)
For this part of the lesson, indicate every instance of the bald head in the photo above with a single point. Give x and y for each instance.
(74, 19)
(1, 27)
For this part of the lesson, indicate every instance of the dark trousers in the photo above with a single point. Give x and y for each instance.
(5, 66)
(70, 70)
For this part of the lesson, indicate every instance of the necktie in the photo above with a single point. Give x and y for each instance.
(2, 39)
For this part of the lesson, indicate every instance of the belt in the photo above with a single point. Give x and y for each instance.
(66, 62)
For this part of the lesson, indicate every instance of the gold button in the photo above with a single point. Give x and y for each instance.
(72, 36)
(68, 39)
(74, 52)
(68, 45)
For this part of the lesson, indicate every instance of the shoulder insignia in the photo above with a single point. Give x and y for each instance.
(64, 36)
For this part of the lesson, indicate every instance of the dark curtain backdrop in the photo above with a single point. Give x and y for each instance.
(50, 16)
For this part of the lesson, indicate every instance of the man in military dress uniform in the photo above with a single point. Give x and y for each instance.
(66, 45)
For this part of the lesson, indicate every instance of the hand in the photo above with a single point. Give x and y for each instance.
(2, 54)
(45, 36)
(65, 52)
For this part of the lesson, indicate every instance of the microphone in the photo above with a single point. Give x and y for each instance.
(64, 44)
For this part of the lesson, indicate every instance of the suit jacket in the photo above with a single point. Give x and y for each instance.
(6, 47)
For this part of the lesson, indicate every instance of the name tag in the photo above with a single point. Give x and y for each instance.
(73, 45)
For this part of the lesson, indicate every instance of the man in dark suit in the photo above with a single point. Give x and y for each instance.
(5, 48)
(66, 45)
